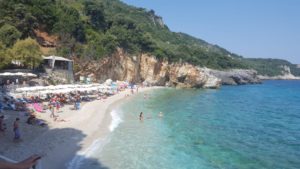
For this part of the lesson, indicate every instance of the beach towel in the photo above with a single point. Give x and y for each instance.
(37, 107)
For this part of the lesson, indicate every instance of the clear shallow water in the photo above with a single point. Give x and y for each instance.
(235, 127)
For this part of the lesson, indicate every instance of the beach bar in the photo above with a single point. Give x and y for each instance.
(60, 66)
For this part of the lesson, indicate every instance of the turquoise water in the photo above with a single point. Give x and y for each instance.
(235, 127)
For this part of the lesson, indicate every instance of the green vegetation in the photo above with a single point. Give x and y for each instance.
(4, 59)
(26, 52)
(272, 67)
(9, 35)
(92, 29)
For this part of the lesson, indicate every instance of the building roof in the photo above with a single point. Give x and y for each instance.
(57, 58)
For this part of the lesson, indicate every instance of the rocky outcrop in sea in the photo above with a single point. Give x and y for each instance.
(236, 76)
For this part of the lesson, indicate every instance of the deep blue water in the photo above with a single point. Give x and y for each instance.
(235, 127)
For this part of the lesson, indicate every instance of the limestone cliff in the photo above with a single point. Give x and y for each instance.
(146, 68)
(285, 75)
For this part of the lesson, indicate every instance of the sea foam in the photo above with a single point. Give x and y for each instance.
(97, 145)
(116, 120)
(80, 157)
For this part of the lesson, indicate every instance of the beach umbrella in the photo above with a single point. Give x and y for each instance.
(19, 74)
(51, 87)
(6, 74)
(31, 75)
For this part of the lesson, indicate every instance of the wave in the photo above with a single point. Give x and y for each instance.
(97, 145)
(116, 120)
(78, 160)
(80, 156)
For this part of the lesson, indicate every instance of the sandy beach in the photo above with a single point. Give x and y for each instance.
(60, 142)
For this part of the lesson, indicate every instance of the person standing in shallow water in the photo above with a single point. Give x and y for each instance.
(17, 130)
(160, 114)
(141, 116)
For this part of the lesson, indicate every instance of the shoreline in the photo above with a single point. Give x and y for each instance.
(96, 130)
(60, 142)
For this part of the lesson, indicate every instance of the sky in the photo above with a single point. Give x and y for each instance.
(251, 28)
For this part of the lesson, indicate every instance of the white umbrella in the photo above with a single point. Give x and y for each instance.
(31, 74)
(6, 74)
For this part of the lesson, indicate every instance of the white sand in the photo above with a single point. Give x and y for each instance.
(60, 141)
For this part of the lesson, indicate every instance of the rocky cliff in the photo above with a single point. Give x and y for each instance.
(286, 74)
(145, 68)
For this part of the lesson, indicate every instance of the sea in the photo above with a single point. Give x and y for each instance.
(234, 127)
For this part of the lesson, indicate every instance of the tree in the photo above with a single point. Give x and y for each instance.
(9, 35)
(4, 58)
(69, 23)
(27, 52)
(95, 12)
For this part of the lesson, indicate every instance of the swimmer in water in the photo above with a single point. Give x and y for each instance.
(141, 116)
(160, 114)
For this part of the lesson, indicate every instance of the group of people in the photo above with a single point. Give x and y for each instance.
(16, 129)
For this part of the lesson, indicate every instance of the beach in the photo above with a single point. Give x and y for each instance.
(60, 141)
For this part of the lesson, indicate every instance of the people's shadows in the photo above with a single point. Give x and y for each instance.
(58, 148)
(64, 154)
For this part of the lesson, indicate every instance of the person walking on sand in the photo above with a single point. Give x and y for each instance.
(2, 124)
(57, 106)
(52, 110)
(141, 116)
(16, 130)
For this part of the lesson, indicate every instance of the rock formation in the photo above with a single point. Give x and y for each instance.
(146, 68)
(236, 76)
(285, 75)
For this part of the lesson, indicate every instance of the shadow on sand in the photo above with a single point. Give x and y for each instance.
(57, 146)
(64, 155)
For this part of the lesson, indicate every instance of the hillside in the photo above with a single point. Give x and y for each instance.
(273, 67)
(94, 29)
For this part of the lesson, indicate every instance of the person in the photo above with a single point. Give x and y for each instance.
(25, 164)
(2, 124)
(141, 116)
(57, 106)
(132, 92)
(17, 130)
(52, 109)
(160, 114)
(31, 119)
